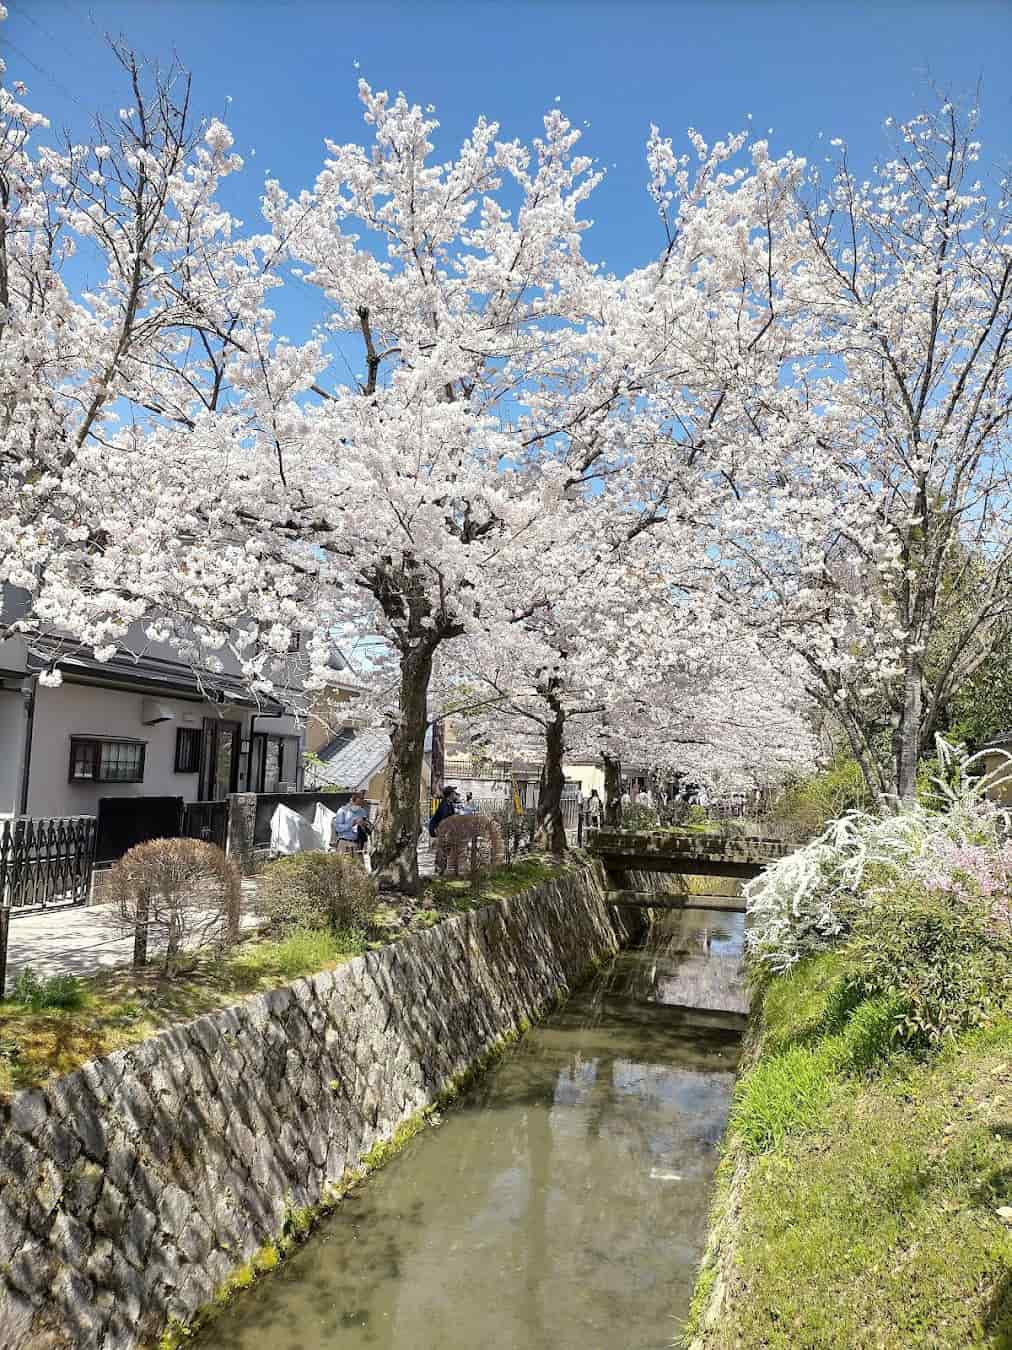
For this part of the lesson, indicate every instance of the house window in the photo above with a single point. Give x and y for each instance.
(188, 744)
(95, 760)
(294, 643)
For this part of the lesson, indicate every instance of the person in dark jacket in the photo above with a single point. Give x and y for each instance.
(447, 807)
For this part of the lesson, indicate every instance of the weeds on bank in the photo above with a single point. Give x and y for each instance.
(882, 1222)
(865, 1197)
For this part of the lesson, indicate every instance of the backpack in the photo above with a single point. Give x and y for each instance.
(441, 812)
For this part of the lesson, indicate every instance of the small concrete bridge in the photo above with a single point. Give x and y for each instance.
(685, 853)
(707, 980)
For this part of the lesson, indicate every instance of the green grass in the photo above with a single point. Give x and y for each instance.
(122, 1007)
(298, 954)
(39, 1039)
(859, 1193)
(453, 894)
(37, 992)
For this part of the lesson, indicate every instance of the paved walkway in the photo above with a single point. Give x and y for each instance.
(81, 940)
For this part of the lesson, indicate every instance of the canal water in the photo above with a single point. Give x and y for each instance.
(562, 1204)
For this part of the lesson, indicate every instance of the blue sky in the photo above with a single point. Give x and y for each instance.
(838, 68)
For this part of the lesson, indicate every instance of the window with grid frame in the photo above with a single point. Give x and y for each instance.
(95, 759)
(188, 745)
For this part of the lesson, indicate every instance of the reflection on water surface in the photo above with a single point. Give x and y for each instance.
(562, 1205)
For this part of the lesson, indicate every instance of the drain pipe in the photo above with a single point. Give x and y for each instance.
(26, 767)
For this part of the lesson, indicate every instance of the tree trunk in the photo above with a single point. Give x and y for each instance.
(908, 736)
(870, 769)
(551, 831)
(612, 791)
(395, 852)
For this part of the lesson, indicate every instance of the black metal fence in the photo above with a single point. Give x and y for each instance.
(46, 861)
(207, 821)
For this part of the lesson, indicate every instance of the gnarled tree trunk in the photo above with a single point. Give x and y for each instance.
(395, 850)
(551, 832)
(612, 791)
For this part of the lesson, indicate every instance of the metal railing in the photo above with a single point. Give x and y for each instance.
(46, 861)
(43, 863)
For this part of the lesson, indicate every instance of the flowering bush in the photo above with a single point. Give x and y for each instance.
(940, 965)
(809, 901)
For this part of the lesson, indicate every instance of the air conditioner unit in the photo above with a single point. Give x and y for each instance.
(152, 711)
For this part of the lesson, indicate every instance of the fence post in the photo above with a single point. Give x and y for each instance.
(240, 828)
(5, 923)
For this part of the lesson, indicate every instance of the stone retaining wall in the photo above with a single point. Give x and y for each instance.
(130, 1189)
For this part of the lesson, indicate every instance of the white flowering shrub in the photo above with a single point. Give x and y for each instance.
(805, 903)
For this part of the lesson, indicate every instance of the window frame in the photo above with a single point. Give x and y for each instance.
(194, 738)
(98, 742)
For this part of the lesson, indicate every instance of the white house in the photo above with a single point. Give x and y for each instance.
(141, 725)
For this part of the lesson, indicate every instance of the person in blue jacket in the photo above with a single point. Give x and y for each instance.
(447, 807)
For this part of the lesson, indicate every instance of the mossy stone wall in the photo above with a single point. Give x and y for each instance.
(133, 1188)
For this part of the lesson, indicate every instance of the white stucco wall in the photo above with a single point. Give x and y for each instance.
(81, 710)
(589, 776)
(12, 738)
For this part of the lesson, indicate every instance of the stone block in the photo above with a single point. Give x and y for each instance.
(28, 1113)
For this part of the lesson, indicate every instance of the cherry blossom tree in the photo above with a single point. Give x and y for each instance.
(870, 528)
(128, 303)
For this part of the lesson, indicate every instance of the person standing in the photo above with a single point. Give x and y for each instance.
(447, 807)
(351, 823)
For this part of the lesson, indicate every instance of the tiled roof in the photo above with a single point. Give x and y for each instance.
(352, 763)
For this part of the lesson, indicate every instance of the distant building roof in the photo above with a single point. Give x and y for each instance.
(351, 758)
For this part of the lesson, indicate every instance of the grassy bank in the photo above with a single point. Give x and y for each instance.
(124, 1006)
(864, 1190)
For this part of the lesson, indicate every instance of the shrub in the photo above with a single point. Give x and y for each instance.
(636, 817)
(808, 901)
(810, 803)
(181, 894)
(936, 958)
(474, 842)
(317, 890)
(36, 992)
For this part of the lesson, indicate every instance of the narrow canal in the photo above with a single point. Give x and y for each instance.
(562, 1204)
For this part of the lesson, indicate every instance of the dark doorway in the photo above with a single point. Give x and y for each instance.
(219, 770)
